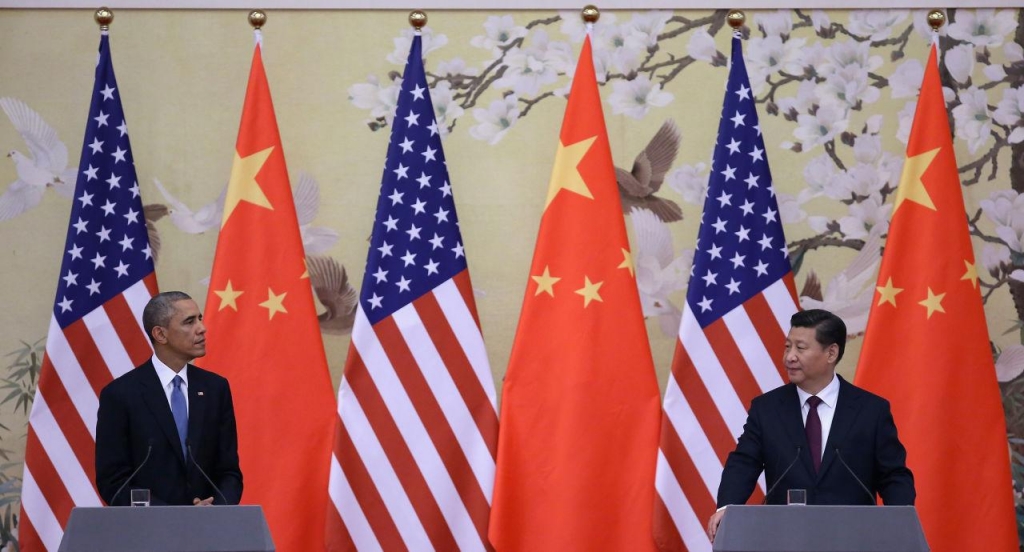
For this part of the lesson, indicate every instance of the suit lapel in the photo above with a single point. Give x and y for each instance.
(156, 400)
(197, 397)
(793, 422)
(847, 409)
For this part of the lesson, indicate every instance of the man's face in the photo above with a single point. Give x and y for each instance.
(809, 365)
(185, 335)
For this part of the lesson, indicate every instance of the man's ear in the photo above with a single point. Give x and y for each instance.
(159, 334)
(832, 353)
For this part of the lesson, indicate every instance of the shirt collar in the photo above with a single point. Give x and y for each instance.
(165, 373)
(829, 395)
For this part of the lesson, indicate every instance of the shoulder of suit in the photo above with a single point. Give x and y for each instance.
(206, 375)
(852, 391)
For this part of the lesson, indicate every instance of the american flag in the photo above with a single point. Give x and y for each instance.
(734, 323)
(415, 445)
(95, 335)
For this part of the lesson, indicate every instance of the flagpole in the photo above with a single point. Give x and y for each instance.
(257, 19)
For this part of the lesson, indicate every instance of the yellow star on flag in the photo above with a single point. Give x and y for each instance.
(566, 174)
(545, 283)
(911, 186)
(243, 185)
(228, 296)
(274, 303)
(933, 302)
(627, 262)
(888, 293)
(971, 274)
(589, 291)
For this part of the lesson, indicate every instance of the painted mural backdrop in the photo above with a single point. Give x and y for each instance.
(836, 92)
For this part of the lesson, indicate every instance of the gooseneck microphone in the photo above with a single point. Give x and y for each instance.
(855, 478)
(188, 447)
(143, 463)
(781, 477)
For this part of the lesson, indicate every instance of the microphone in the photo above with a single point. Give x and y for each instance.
(855, 478)
(781, 477)
(143, 463)
(188, 447)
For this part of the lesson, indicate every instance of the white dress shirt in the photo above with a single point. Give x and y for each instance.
(826, 410)
(166, 376)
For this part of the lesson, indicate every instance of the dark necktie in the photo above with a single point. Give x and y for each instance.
(180, 411)
(813, 430)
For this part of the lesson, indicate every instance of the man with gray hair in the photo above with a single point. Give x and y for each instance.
(169, 426)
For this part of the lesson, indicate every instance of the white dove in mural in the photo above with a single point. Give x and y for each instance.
(47, 166)
(193, 222)
(315, 239)
(849, 293)
(659, 272)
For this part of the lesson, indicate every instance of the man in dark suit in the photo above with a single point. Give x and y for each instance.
(167, 416)
(834, 438)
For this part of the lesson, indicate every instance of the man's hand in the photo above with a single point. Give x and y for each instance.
(204, 502)
(713, 523)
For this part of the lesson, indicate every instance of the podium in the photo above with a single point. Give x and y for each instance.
(167, 529)
(820, 529)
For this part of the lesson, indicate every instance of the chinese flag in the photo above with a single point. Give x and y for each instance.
(579, 411)
(927, 348)
(264, 337)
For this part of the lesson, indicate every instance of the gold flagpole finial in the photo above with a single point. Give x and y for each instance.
(936, 19)
(418, 19)
(590, 13)
(736, 18)
(104, 17)
(257, 18)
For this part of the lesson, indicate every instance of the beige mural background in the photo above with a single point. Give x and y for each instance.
(182, 77)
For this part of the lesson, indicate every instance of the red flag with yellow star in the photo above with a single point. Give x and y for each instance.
(579, 411)
(927, 347)
(263, 334)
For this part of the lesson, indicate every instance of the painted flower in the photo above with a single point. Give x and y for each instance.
(576, 29)
(776, 23)
(983, 27)
(456, 67)
(972, 119)
(530, 68)
(959, 60)
(618, 49)
(649, 25)
(701, 46)
(636, 97)
(906, 119)
(819, 174)
(1006, 209)
(820, 20)
(824, 125)
(905, 81)
(995, 257)
(691, 182)
(1010, 363)
(867, 148)
(403, 42)
(859, 181)
(499, 32)
(496, 120)
(876, 24)
(806, 98)
(848, 88)
(1010, 112)
(446, 108)
(865, 216)
(1014, 52)
(849, 53)
(769, 55)
(790, 209)
(381, 101)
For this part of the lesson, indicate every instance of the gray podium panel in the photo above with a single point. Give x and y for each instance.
(820, 529)
(167, 529)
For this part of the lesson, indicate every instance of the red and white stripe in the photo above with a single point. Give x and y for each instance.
(60, 468)
(415, 446)
(716, 372)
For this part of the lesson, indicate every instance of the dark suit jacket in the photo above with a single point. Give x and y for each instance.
(863, 434)
(134, 414)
